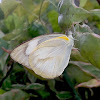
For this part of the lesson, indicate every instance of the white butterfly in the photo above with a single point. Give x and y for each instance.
(46, 55)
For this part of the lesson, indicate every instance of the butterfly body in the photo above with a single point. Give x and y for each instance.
(46, 55)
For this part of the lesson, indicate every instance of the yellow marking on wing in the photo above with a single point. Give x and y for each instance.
(63, 37)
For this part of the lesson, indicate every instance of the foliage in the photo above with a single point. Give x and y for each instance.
(21, 20)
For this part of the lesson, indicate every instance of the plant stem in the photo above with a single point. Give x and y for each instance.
(41, 10)
(8, 73)
(77, 97)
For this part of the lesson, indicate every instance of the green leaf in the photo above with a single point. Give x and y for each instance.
(27, 4)
(18, 68)
(12, 36)
(3, 27)
(36, 29)
(18, 86)
(88, 68)
(83, 28)
(52, 17)
(95, 12)
(77, 75)
(1, 14)
(16, 37)
(14, 94)
(64, 95)
(51, 84)
(35, 86)
(9, 22)
(3, 59)
(8, 6)
(91, 4)
(20, 11)
(44, 94)
(37, 13)
(76, 56)
(89, 84)
(13, 21)
(89, 46)
(7, 84)
(19, 21)
(70, 14)
(31, 78)
(2, 91)
(82, 3)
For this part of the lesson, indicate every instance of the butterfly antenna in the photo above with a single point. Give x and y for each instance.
(7, 51)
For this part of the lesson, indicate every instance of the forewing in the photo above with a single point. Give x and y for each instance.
(36, 41)
(50, 58)
(18, 54)
(21, 53)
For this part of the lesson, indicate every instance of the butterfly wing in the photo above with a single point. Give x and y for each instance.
(21, 53)
(18, 54)
(50, 58)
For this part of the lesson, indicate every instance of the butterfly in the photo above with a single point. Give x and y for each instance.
(46, 55)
